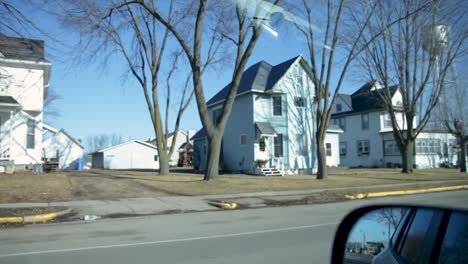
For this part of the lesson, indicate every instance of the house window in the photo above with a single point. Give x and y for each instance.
(243, 139)
(262, 144)
(343, 148)
(299, 101)
(341, 122)
(328, 148)
(301, 149)
(391, 148)
(365, 121)
(216, 114)
(155, 157)
(427, 146)
(387, 121)
(30, 134)
(278, 144)
(363, 147)
(339, 108)
(277, 106)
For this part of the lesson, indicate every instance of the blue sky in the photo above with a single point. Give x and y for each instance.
(95, 100)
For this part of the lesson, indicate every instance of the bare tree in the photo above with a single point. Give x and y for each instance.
(14, 22)
(248, 21)
(50, 110)
(142, 42)
(102, 141)
(451, 113)
(410, 54)
(332, 48)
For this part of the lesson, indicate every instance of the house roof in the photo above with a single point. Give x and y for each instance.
(201, 134)
(71, 138)
(265, 128)
(128, 142)
(367, 98)
(261, 76)
(9, 101)
(22, 48)
(186, 146)
(334, 128)
(346, 98)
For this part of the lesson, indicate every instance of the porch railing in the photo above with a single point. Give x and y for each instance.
(278, 163)
(5, 150)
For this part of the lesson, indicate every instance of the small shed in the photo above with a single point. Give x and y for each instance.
(133, 154)
(62, 147)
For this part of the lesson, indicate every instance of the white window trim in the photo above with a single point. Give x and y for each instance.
(273, 105)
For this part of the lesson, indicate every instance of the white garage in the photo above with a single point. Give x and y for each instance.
(134, 154)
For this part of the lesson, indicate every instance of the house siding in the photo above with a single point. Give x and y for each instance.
(69, 151)
(237, 157)
(132, 155)
(354, 133)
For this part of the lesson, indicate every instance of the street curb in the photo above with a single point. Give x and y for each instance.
(404, 192)
(31, 219)
(224, 204)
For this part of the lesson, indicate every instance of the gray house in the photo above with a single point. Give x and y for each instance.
(271, 128)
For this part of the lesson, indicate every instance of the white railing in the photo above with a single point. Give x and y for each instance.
(277, 163)
(5, 150)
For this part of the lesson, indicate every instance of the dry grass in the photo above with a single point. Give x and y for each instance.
(193, 184)
(105, 184)
(30, 187)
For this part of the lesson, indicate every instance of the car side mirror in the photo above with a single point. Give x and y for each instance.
(402, 234)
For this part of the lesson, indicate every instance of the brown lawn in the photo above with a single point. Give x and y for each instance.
(104, 184)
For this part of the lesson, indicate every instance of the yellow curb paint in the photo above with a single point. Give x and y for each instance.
(403, 192)
(44, 217)
(224, 205)
(32, 218)
(11, 220)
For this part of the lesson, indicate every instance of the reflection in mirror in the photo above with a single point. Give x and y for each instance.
(372, 233)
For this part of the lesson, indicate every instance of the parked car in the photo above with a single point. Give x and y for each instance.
(172, 163)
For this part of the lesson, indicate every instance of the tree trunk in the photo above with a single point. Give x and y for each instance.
(407, 157)
(462, 160)
(322, 172)
(214, 150)
(163, 162)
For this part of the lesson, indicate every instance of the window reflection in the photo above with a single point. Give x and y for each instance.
(370, 235)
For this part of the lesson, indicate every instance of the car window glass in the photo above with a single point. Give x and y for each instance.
(414, 240)
(454, 246)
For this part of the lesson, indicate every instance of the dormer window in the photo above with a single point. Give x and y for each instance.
(339, 108)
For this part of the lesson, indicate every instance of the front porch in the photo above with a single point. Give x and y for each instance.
(268, 150)
(8, 108)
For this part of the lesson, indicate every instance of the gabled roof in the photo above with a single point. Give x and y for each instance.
(201, 134)
(128, 142)
(9, 101)
(346, 98)
(22, 48)
(261, 76)
(71, 138)
(367, 98)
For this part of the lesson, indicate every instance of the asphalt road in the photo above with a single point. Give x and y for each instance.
(296, 234)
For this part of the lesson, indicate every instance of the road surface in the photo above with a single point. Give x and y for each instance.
(296, 234)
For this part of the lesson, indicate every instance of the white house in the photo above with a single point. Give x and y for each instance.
(24, 78)
(367, 140)
(134, 154)
(271, 129)
(182, 138)
(62, 147)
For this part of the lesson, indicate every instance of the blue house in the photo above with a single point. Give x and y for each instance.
(272, 124)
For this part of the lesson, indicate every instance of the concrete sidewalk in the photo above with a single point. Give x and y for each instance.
(165, 204)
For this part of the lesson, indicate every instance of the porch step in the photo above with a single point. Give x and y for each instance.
(271, 172)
